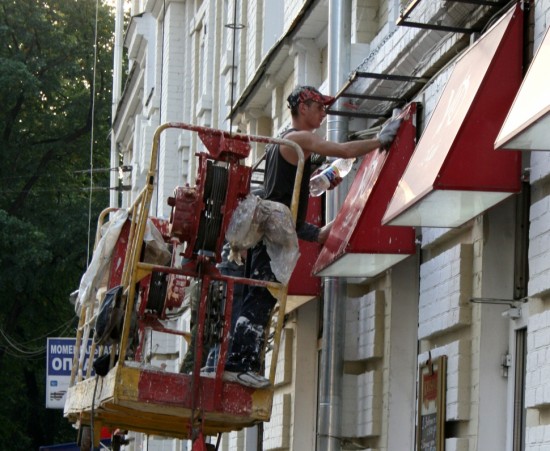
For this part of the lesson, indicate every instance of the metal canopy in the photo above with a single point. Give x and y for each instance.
(528, 121)
(445, 22)
(372, 95)
(358, 244)
(352, 95)
(455, 173)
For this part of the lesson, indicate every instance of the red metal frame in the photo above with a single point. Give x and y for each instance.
(303, 282)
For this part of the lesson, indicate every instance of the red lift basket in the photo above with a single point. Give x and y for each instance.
(133, 394)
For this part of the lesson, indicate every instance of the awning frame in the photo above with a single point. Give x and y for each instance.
(403, 19)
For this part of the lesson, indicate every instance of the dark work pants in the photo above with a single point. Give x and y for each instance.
(238, 295)
(252, 321)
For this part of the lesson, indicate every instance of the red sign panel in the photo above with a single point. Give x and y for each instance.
(455, 172)
(303, 282)
(359, 245)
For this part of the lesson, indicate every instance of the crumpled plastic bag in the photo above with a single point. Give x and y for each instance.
(257, 219)
(243, 232)
(156, 249)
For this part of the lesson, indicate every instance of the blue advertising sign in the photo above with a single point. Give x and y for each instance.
(59, 361)
(60, 356)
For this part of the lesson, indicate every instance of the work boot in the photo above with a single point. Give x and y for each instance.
(246, 378)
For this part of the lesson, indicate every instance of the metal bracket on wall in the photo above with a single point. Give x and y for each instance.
(403, 19)
(356, 93)
(514, 310)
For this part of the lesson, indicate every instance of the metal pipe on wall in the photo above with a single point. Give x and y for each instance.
(332, 363)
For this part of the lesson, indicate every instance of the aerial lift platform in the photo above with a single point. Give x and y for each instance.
(131, 394)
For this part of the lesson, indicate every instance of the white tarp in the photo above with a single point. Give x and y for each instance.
(94, 277)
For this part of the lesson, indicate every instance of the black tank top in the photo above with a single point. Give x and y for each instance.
(279, 179)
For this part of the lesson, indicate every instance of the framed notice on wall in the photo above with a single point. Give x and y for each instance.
(431, 405)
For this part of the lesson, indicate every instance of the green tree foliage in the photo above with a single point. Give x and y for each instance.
(52, 103)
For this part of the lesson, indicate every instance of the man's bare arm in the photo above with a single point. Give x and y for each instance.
(312, 143)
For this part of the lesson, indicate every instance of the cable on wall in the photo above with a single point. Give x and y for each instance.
(90, 195)
(234, 26)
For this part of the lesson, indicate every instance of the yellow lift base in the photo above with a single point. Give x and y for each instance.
(157, 402)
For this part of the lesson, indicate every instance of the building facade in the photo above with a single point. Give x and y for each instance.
(474, 292)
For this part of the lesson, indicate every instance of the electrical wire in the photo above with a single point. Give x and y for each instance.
(74, 190)
(22, 350)
(66, 326)
(58, 178)
(15, 348)
(90, 196)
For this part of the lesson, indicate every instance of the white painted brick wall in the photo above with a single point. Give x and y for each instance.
(458, 377)
(369, 408)
(283, 373)
(349, 405)
(539, 247)
(537, 380)
(364, 20)
(433, 92)
(458, 396)
(235, 440)
(351, 340)
(161, 346)
(542, 19)
(362, 404)
(272, 27)
(540, 161)
(431, 234)
(159, 444)
(457, 444)
(174, 64)
(291, 9)
(254, 33)
(145, 144)
(445, 287)
(277, 431)
(365, 327)
(540, 166)
(537, 438)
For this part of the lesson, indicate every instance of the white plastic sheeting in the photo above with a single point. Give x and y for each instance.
(256, 219)
(96, 276)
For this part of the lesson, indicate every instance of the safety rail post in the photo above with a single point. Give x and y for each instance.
(86, 317)
(78, 343)
(139, 217)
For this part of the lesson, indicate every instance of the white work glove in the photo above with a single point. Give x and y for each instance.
(387, 134)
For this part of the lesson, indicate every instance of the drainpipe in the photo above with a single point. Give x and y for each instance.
(117, 89)
(332, 362)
